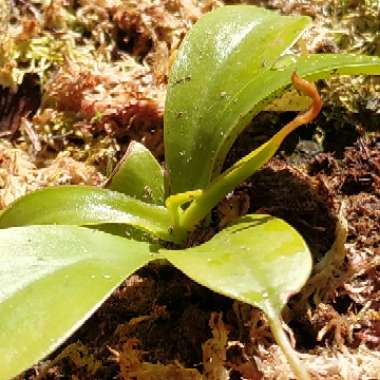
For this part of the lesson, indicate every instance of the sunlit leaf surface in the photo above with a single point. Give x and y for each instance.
(226, 49)
(52, 278)
(139, 175)
(260, 260)
(226, 71)
(83, 205)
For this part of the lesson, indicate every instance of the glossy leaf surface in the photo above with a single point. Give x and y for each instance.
(260, 260)
(139, 175)
(224, 50)
(312, 67)
(83, 205)
(52, 278)
(226, 71)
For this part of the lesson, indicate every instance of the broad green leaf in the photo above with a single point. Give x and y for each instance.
(225, 49)
(84, 205)
(226, 71)
(260, 260)
(52, 278)
(139, 175)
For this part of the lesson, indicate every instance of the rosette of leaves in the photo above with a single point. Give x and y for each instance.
(63, 250)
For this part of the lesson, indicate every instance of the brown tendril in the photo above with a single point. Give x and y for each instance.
(309, 89)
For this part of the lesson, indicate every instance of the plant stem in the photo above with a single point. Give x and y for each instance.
(282, 340)
(249, 164)
(174, 205)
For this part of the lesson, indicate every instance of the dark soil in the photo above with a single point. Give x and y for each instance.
(13, 106)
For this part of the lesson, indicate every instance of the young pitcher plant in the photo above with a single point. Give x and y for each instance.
(63, 250)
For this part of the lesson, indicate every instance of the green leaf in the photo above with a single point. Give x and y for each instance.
(256, 94)
(223, 51)
(52, 278)
(139, 175)
(84, 205)
(260, 260)
(229, 179)
(322, 66)
(226, 71)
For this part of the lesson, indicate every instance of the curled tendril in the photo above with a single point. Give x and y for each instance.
(309, 89)
(207, 198)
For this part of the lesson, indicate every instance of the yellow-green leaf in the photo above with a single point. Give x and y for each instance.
(85, 205)
(52, 278)
(139, 175)
(226, 71)
(260, 260)
(225, 50)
